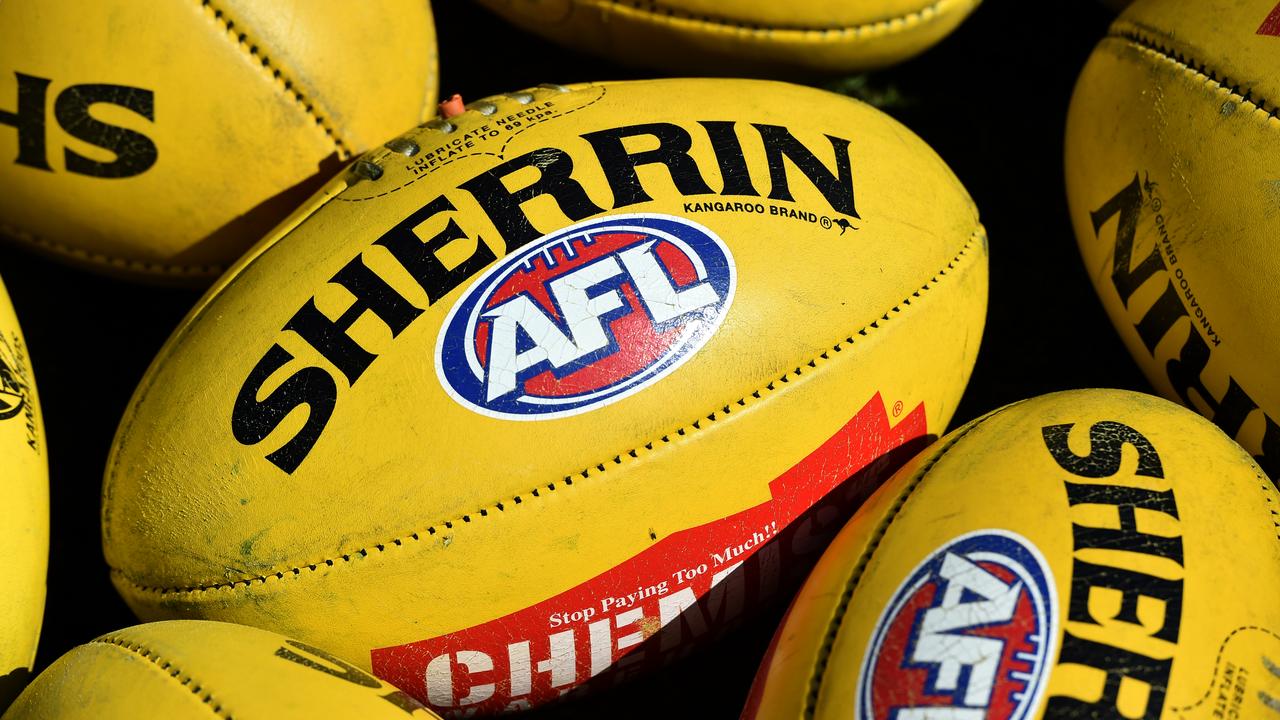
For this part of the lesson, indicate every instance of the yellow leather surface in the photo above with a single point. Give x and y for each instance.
(24, 495)
(198, 669)
(238, 111)
(1180, 600)
(412, 516)
(743, 37)
(1171, 141)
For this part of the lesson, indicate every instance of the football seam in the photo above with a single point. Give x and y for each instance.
(671, 16)
(248, 44)
(455, 121)
(976, 236)
(1217, 664)
(242, 40)
(1134, 36)
(108, 260)
(851, 585)
(1269, 491)
(168, 668)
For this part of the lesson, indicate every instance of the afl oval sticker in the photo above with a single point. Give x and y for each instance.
(970, 633)
(585, 316)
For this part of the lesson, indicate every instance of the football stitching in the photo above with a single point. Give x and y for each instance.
(244, 42)
(673, 16)
(977, 236)
(1269, 490)
(1134, 37)
(169, 669)
(851, 585)
(196, 315)
(1217, 664)
(501, 154)
(113, 261)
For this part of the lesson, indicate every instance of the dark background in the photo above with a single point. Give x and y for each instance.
(991, 99)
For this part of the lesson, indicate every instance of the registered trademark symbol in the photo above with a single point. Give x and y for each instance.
(897, 408)
(826, 222)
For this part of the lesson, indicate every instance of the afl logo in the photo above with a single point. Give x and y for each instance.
(585, 317)
(969, 634)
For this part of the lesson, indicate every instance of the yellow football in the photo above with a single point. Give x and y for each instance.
(1087, 554)
(1171, 144)
(742, 37)
(553, 387)
(160, 140)
(24, 498)
(196, 669)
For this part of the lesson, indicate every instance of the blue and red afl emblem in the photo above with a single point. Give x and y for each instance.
(971, 633)
(585, 316)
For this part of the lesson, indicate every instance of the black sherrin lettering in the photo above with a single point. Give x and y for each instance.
(1126, 500)
(728, 150)
(252, 420)
(1168, 308)
(780, 145)
(1128, 205)
(503, 205)
(418, 256)
(1186, 371)
(620, 164)
(1159, 320)
(135, 153)
(1236, 407)
(1132, 586)
(1118, 664)
(1107, 440)
(29, 121)
(330, 338)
